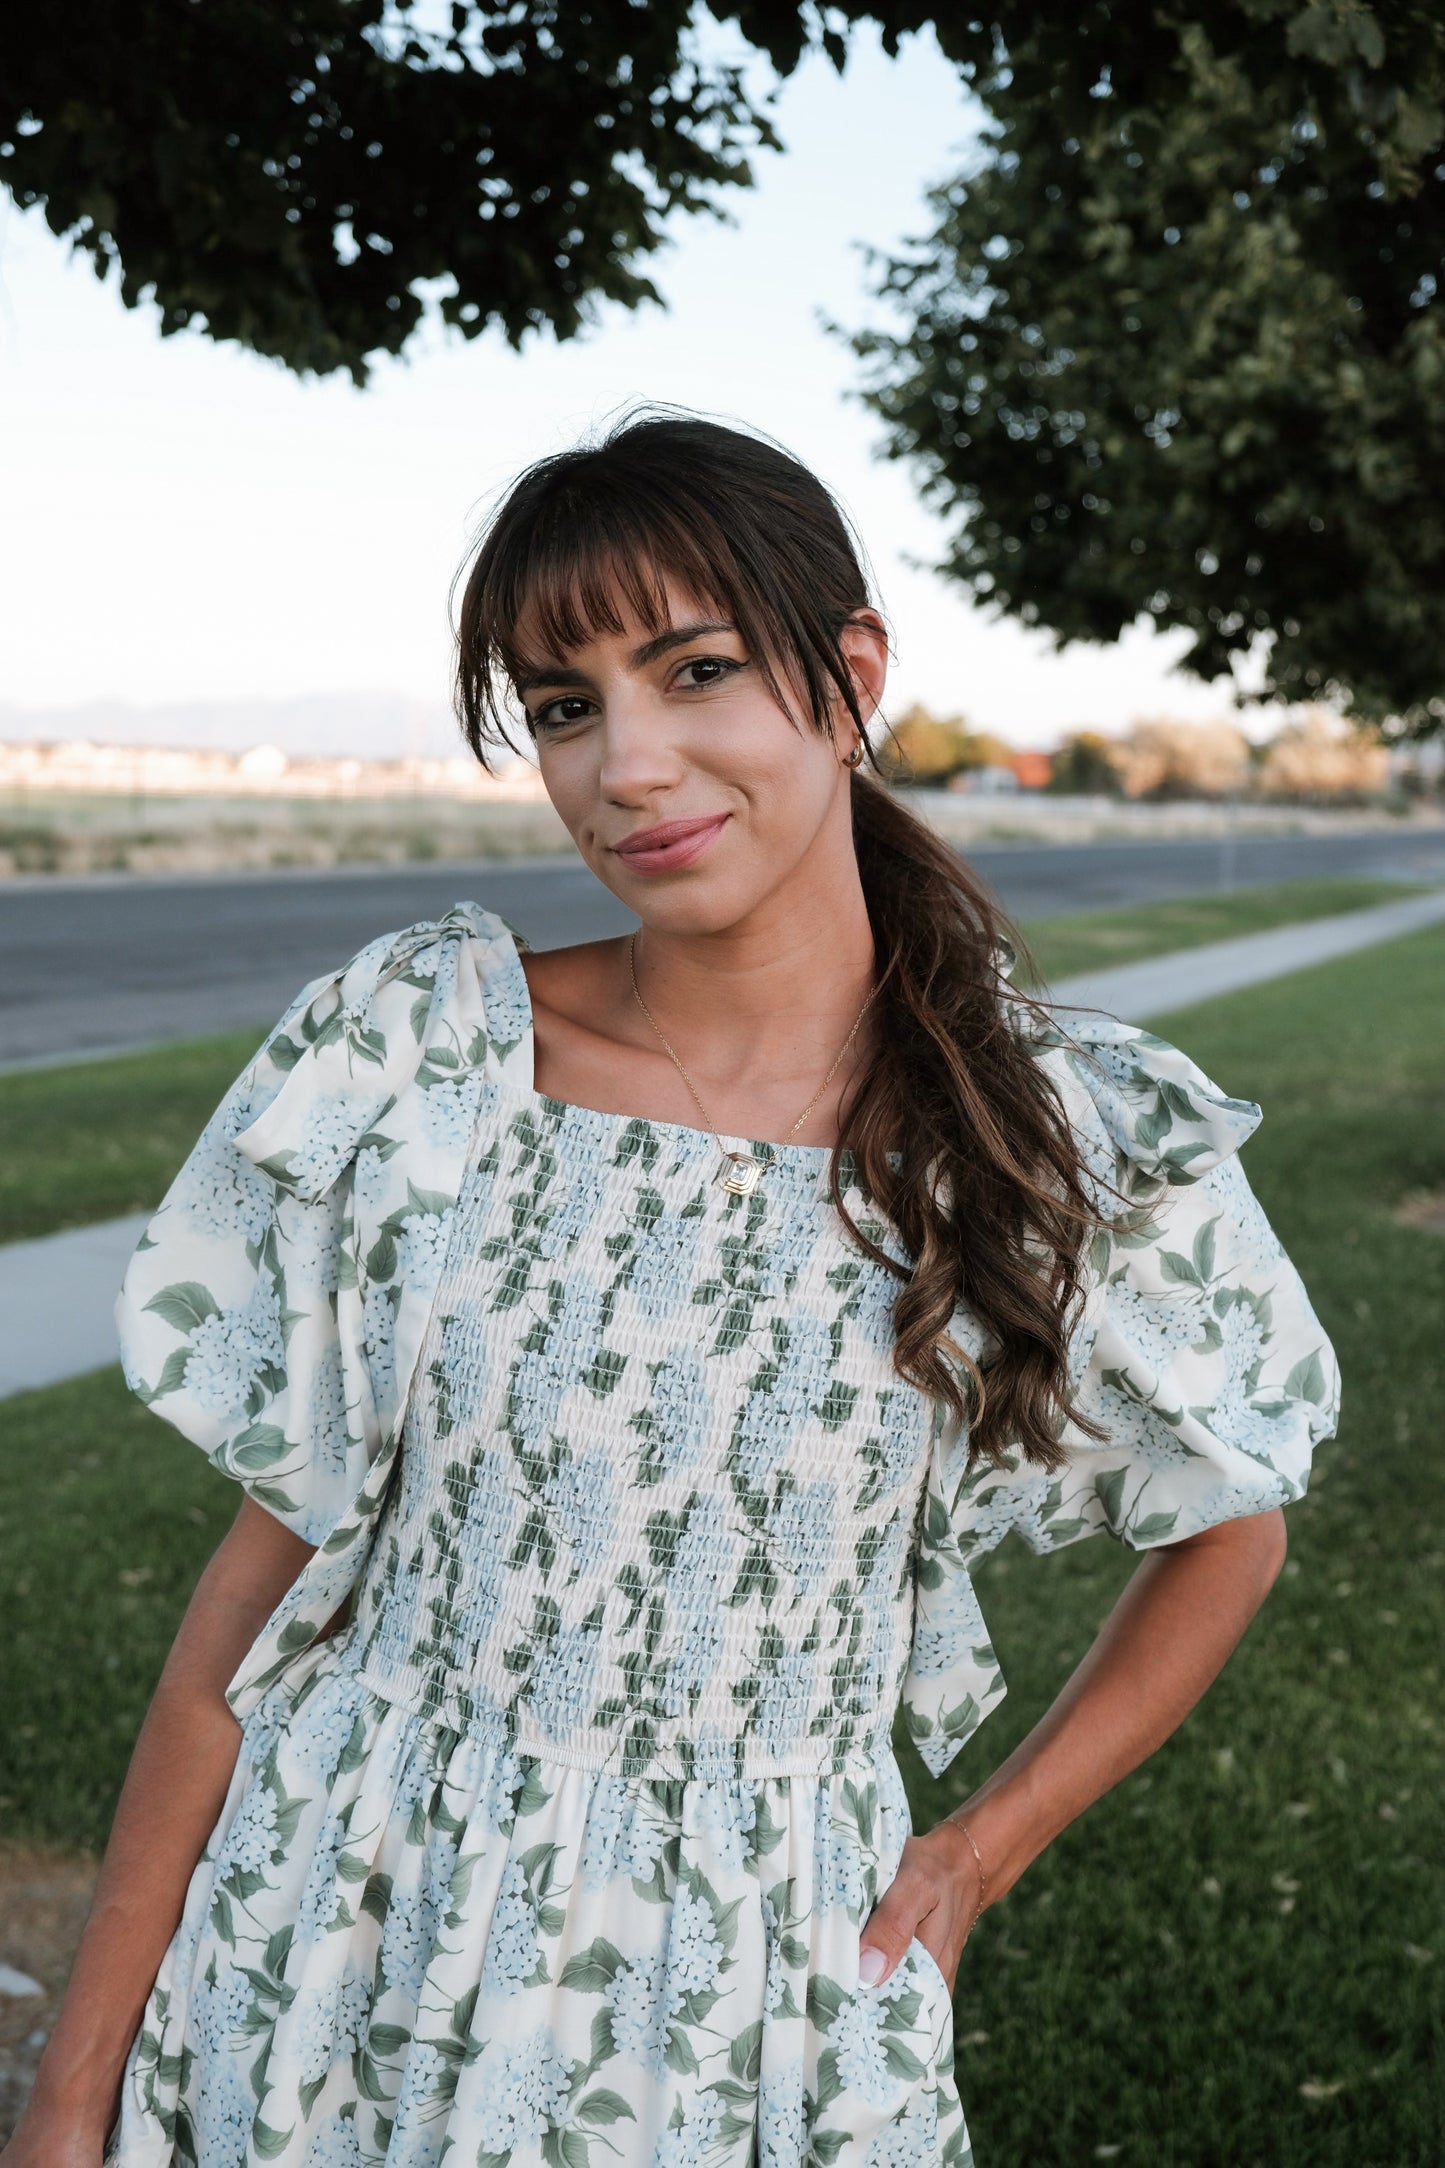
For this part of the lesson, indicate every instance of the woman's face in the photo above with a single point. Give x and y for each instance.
(677, 732)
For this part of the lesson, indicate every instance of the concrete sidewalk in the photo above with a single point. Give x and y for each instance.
(57, 1294)
(1162, 984)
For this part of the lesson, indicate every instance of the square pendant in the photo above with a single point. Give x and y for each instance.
(739, 1173)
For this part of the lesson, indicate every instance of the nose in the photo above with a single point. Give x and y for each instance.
(639, 759)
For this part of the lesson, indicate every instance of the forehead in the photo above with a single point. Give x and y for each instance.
(560, 618)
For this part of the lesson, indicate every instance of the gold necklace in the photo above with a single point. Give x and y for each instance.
(740, 1172)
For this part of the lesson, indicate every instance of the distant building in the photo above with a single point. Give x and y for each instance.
(1035, 771)
(263, 772)
(993, 779)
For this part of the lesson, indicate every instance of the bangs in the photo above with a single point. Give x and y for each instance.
(585, 568)
(587, 541)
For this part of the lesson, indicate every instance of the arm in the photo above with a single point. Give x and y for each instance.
(1168, 1636)
(176, 1784)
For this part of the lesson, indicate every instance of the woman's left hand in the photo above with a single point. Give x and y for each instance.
(934, 1896)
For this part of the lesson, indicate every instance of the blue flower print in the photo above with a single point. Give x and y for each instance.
(321, 1899)
(407, 1939)
(909, 2138)
(328, 1139)
(560, 1685)
(691, 2137)
(782, 2126)
(522, 2094)
(544, 1376)
(581, 1496)
(680, 1408)
(512, 1938)
(665, 1263)
(776, 1408)
(802, 1529)
(232, 1351)
(642, 2011)
(449, 1110)
(220, 1190)
(335, 2145)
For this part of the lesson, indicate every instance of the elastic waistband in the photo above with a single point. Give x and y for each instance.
(678, 1760)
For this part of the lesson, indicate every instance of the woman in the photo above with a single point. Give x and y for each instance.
(624, 1352)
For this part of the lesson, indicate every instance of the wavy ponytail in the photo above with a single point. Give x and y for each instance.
(956, 1133)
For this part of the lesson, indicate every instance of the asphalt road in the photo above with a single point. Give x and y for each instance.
(94, 966)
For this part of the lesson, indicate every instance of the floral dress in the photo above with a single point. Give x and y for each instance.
(557, 1850)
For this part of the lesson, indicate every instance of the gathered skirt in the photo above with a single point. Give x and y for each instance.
(408, 1945)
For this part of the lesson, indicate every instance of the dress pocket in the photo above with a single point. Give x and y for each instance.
(935, 2015)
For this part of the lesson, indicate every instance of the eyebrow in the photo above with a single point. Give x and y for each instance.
(650, 651)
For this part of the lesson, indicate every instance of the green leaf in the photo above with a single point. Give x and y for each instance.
(185, 1305)
(1109, 1490)
(1306, 1380)
(604, 2107)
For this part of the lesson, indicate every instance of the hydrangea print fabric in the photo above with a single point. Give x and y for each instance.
(558, 1850)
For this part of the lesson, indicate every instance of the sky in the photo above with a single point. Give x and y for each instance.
(184, 524)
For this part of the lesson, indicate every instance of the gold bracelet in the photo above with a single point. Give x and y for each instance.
(982, 1876)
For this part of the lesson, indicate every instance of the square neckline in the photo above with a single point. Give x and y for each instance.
(525, 1084)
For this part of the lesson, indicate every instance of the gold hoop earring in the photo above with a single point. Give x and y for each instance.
(851, 760)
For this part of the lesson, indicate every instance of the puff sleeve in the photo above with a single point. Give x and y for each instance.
(275, 1304)
(1197, 1351)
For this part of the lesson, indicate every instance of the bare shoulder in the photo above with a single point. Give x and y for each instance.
(578, 981)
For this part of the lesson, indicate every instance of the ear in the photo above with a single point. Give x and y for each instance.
(864, 641)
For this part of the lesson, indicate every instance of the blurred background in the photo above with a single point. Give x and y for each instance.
(1120, 338)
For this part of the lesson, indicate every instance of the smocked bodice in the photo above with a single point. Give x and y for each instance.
(659, 1481)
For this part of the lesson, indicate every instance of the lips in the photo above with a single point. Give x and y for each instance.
(649, 840)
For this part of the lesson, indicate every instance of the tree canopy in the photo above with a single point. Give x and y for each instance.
(286, 174)
(1174, 346)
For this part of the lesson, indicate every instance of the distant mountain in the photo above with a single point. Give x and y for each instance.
(370, 726)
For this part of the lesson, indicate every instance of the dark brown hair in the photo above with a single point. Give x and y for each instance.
(956, 1132)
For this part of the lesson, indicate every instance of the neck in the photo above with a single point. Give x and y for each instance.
(773, 994)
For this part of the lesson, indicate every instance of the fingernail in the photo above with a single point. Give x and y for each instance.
(872, 1965)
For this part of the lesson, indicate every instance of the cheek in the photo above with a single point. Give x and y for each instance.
(760, 750)
(570, 781)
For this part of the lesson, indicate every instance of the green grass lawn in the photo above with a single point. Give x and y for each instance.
(1092, 940)
(91, 1140)
(1237, 1960)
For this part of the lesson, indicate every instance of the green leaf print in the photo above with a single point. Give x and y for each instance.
(1306, 1380)
(1153, 1527)
(745, 2059)
(837, 1405)
(172, 1377)
(1109, 1490)
(376, 1897)
(603, 2107)
(270, 2144)
(186, 1305)
(593, 1969)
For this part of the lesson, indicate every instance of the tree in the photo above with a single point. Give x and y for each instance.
(1174, 346)
(294, 174)
(288, 172)
(1164, 757)
(925, 748)
(1319, 756)
(1085, 766)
